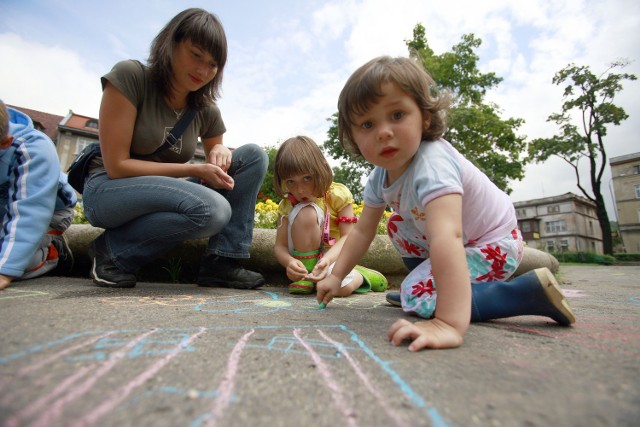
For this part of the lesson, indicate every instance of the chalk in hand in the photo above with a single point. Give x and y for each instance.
(321, 305)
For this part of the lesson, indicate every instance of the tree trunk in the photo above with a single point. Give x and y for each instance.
(605, 225)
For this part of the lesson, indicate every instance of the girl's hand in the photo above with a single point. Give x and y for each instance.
(328, 288)
(216, 177)
(319, 272)
(296, 270)
(432, 333)
(220, 156)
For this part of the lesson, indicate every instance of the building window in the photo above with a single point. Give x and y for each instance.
(636, 169)
(564, 245)
(591, 228)
(521, 212)
(526, 227)
(92, 123)
(551, 245)
(593, 246)
(556, 226)
(637, 187)
(553, 209)
(81, 144)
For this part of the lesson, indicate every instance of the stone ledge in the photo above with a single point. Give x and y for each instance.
(381, 256)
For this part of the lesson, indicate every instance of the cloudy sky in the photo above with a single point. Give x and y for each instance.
(289, 59)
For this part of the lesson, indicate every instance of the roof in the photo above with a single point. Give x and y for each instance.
(81, 123)
(45, 122)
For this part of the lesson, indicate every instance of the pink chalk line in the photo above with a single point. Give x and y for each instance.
(337, 394)
(121, 394)
(30, 410)
(225, 390)
(28, 369)
(56, 408)
(381, 398)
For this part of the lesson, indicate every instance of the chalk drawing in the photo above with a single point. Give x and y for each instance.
(101, 377)
(11, 293)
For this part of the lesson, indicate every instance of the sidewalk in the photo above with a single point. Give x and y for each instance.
(72, 354)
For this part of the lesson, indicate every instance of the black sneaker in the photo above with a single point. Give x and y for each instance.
(393, 298)
(103, 271)
(65, 256)
(227, 273)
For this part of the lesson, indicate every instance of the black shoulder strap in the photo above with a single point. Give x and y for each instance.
(176, 132)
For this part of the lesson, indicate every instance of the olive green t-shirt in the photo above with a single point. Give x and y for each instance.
(156, 118)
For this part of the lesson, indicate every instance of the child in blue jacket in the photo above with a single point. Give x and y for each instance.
(36, 202)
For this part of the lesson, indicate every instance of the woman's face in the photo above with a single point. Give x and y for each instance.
(193, 67)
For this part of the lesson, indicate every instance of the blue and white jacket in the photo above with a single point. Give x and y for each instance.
(31, 188)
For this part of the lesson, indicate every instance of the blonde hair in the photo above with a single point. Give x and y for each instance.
(4, 121)
(297, 156)
(363, 89)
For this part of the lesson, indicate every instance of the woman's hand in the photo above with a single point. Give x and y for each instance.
(216, 177)
(432, 333)
(220, 156)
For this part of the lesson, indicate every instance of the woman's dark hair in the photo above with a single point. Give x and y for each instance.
(202, 29)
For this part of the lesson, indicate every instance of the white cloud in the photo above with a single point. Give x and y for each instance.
(47, 78)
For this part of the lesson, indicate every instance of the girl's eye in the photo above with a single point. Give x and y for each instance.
(289, 182)
(397, 115)
(307, 179)
(366, 125)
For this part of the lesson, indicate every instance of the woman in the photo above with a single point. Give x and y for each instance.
(139, 201)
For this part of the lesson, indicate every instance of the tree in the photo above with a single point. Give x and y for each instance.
(351, 170)
(266, 190)
(589, 99)
(475, 126)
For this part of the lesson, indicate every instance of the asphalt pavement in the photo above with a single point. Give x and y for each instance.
(73, 354)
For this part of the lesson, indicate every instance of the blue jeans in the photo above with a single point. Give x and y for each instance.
(144, 217)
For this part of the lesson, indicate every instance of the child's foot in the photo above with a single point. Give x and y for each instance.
(373, 280)
(393, 298)
(301, 287)
(563, 313)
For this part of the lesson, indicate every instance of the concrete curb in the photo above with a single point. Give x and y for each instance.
(183, 261)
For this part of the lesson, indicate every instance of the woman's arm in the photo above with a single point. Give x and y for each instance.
(345, 228)
(117, 121)
(451, 274)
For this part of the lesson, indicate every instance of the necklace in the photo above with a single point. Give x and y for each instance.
(178, 113)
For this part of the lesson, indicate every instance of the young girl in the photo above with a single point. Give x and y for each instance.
(451, 224)
(315, 216)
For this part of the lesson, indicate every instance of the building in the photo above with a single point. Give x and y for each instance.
(74, 133)
(561, 223)
(625, 175)
(44, 122)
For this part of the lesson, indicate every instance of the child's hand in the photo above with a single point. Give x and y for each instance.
(432, 333)
(319, 272)
(296, 270)
(328, 288)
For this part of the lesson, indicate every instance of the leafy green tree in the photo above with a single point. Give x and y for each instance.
(266, 190)
(591, 97)
(351, 170)
(475, 126)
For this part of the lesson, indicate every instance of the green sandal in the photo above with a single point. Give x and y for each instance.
(309, 259)
(373, 280)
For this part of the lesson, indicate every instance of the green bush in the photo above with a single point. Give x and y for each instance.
(627, 257)
(584, 258)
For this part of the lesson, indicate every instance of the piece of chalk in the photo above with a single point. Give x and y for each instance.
(321, 305)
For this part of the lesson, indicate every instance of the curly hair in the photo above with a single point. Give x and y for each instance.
(363, 89)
